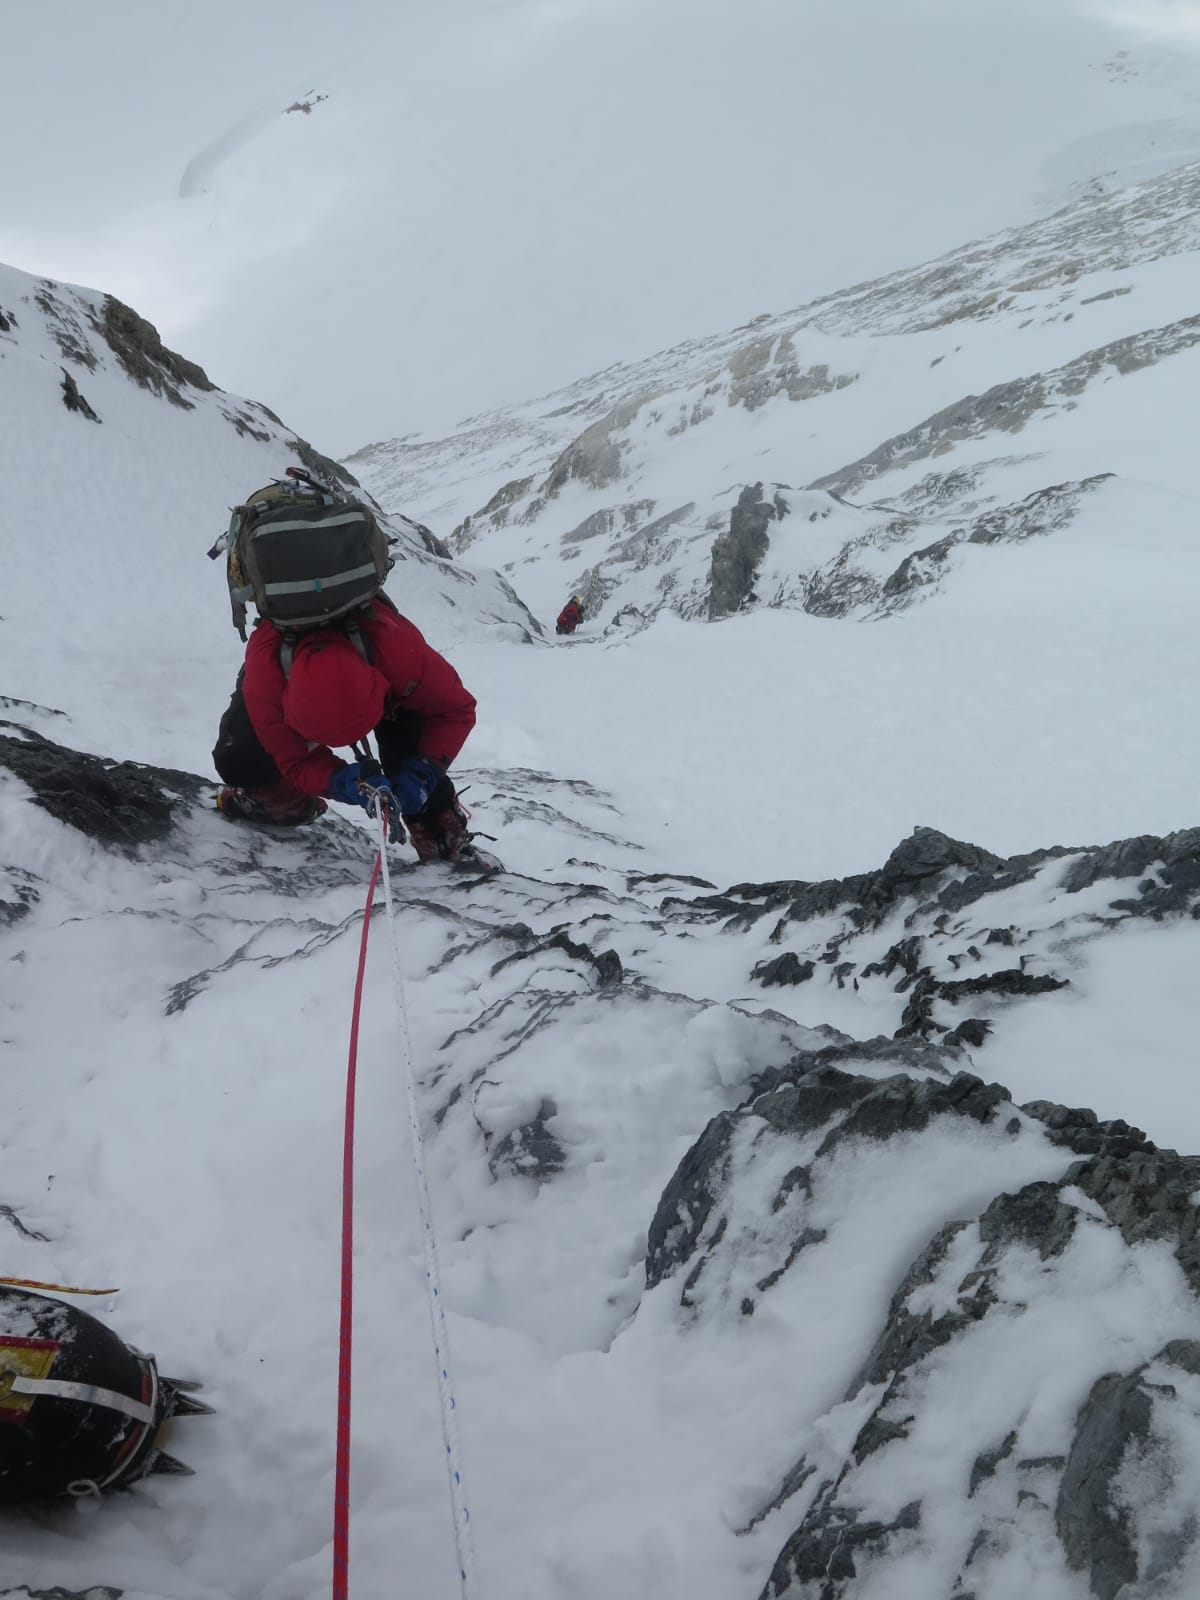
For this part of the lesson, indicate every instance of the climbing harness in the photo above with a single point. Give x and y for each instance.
(441, 1339)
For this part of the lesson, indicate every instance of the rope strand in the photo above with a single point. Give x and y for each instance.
(437, 1317)
(341, 1473)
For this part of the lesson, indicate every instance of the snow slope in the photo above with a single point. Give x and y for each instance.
(704, 1172)
(542, 189)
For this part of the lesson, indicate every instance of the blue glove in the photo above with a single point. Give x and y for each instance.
(344, 785)
(412, 784)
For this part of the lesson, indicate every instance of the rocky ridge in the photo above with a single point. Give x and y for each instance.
(1013, 1486)
(942, 366)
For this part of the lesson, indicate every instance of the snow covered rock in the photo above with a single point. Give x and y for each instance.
(701, 1172)
(985, 1437)
(114, 803)
(945, 924)
(1017, 387)
(738, 554)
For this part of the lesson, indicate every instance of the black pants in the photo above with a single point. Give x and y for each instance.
(239, 757)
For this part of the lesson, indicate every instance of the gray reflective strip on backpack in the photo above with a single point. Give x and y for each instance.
(306, 524)
(88, 1393)
(317, 585)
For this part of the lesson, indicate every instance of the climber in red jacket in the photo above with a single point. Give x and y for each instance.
(570, 616)
(275, 746)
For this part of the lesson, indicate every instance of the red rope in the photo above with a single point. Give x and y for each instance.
(341, 1475)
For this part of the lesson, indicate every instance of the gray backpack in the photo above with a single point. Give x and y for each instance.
(304, 555)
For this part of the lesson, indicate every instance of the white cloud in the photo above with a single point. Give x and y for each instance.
(1164, 19)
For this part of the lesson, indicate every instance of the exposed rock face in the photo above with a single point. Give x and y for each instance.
(138, 347)
(784, 969)
(326, 467)
(19, 893)
(737, 555)
(849, 582)
(1128, 1430)
(530, 1150)
(607, 965)
(594, 458)
(119, 804)
(1103, 1490)
(67, 324)
(634, 424)
(84, 326)
(951, 954)
(609, 518)
(435, 546)
(1007, 407)
(73, 400)
(769, 366)
(508, 494)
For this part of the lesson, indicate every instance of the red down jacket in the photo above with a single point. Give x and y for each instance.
(415, 679)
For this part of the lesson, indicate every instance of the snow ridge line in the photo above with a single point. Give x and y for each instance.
(437, 1315)
(341, 1471)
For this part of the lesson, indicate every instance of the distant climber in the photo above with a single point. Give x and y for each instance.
(307, 690)
(570, 616)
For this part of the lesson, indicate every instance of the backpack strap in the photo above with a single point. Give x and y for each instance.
(287, 654)
(289, 638)
(359, 640)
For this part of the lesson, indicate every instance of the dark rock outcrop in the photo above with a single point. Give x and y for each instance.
(800, 1099)
(868, 898)
(119, 804)
(972, 1275)
(1128, 1418)
(73, 400)
(950, 952)
(18, 894)
(607, 964)
(832, 1548)
(531, 1150)
(737, 554)
(785, 969)
(141, 352)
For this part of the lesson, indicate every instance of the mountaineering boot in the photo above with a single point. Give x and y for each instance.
(443, 836)
(279, 804)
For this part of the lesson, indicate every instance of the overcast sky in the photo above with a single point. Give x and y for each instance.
(498, 196)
